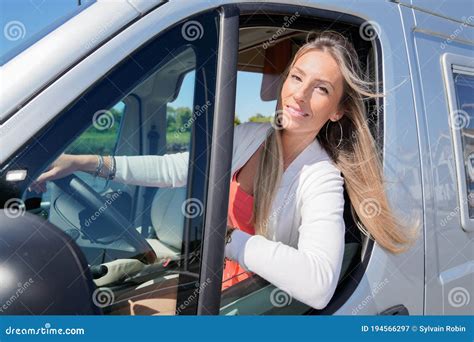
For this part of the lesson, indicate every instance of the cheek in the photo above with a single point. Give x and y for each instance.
(321, 106)
(285, 90)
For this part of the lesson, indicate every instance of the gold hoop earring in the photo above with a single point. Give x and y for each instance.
(340, 127)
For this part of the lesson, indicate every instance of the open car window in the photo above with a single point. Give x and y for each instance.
(142, 244)
(264, 54)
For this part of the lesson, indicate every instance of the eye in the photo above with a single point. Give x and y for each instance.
(325, 90)
(295, 77)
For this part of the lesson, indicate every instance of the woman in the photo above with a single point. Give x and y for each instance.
(286, 195)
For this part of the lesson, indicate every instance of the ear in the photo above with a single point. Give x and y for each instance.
(336, 116)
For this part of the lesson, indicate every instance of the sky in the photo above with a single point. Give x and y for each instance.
(20, 20)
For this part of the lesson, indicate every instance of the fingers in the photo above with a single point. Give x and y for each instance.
(46, 176)
(37, 187)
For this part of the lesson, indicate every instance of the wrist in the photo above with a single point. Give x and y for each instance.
(86, 163)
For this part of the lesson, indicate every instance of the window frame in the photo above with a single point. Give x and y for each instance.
(463, 65)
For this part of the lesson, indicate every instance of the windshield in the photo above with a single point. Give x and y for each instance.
(24, 22)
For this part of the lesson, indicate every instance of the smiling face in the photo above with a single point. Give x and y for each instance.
(311, 93)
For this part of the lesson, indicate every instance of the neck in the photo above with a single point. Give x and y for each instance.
(293, 144)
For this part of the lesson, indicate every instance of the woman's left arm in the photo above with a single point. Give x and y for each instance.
(310, 272)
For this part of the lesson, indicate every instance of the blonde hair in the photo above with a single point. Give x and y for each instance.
(354, 153)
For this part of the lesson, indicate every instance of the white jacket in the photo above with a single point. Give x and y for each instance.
(306, 225)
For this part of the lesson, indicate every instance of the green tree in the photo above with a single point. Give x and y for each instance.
(236, 120)
(260, 118)
(183, 118)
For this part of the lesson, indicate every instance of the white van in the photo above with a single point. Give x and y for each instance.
(142, 77)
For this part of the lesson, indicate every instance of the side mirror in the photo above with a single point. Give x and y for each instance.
(42, 271)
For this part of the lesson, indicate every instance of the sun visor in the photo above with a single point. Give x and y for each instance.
(277, 57)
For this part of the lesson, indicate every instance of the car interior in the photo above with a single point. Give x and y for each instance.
(144, 276)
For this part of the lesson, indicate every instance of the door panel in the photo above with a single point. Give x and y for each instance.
(449, 248)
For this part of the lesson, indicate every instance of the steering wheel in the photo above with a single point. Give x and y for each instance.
(80, 191)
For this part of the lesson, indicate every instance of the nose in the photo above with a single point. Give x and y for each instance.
(300, 93)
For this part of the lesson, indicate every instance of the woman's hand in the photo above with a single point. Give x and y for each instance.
(65, 165)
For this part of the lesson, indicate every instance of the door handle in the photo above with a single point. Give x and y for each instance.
(396, 310)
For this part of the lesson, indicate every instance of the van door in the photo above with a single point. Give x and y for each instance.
(441, 50)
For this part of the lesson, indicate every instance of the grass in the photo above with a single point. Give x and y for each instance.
(93, 141)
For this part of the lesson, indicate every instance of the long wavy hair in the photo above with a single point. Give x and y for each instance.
(354, 153)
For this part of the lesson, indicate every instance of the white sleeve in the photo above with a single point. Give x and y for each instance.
(310, 272)
(169, 170)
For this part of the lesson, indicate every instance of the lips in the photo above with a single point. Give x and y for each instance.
(296, 112)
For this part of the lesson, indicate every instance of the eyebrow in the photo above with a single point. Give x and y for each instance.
(318, 79)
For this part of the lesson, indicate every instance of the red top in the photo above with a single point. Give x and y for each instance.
(239, 216)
